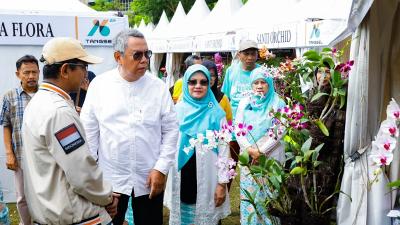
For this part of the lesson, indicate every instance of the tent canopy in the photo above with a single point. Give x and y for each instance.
(301, 24)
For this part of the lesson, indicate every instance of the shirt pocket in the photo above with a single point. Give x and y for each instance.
(151, 116)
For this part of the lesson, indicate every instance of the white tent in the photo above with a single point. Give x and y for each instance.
(181, 40)
(26, 25)
(156, 59)
(173, 60)
(303, 24)
(208, 36)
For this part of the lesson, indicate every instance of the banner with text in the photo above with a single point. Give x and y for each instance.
(38, 29)
(34, 29)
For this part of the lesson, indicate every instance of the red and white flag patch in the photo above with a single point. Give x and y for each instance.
(69, 138)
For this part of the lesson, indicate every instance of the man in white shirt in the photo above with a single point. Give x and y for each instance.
(132, 129)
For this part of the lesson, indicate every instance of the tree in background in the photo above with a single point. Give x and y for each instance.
(106, 5)
(148, 10)
(151, 10)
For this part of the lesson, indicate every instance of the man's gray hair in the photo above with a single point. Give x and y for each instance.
(120, 42)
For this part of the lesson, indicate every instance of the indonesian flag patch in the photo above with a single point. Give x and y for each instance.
(69, 138)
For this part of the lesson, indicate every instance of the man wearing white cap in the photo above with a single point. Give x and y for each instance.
(63, 183)
(237, 82)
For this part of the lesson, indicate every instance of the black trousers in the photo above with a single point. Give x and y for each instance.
(145, 211)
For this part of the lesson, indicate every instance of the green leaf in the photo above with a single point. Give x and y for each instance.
(275, 182)
(318, 95)
(337, 77)
(322, 127)
(316, 153)
(244, 158)
(297, 170)
(308, 154)
(287, 138)
(262, 161)
(306, 145)
(316, 163)
(329, 61)
(342, 91)
(326, 50)
(299, 159)
(342, 101)
(312, 55)
(394, 184)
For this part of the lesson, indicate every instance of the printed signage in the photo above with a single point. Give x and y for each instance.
(38, 29)
(33, 29)
(100, 31)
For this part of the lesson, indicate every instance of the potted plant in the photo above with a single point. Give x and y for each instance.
(314, 87)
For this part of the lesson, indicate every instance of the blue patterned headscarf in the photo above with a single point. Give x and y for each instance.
(257, 112)
(196, 115)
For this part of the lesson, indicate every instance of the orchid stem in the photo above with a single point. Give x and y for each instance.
(330, 109)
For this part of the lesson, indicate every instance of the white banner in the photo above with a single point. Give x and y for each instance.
(38, 29)
(215, 43)
(158, 46)
(323, 32)
(33, 29)
(181, 45)
(279, 36)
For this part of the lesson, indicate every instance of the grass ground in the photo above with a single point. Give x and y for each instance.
(233, 219)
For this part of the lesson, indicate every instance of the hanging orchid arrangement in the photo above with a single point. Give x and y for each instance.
(386, 141)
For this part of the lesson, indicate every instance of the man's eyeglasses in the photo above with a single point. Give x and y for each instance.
(194, 82)
(139, 55)
(250, 52)
(84, 66)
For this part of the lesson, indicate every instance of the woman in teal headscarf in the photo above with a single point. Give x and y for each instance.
(196, 190)
(255, 110)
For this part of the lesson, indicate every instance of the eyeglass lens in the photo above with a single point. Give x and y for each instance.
(194, 82)
(139, 55)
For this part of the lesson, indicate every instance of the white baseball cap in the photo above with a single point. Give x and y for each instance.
(60, 49)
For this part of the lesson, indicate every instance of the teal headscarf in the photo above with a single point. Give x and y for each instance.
(257, 111)
(196, 115)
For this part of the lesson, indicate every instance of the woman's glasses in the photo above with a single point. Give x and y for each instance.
(194, 82)
(139, 55)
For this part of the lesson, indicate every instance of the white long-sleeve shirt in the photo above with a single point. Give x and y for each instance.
(131, 129)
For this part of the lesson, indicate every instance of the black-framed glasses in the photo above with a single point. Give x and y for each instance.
(138, 55)
(194, 82)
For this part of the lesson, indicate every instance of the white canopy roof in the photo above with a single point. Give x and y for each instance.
(161, 26)
(179, 19)
(219, 17)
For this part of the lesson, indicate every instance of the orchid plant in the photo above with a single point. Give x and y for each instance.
(386, 142)
(316, 76)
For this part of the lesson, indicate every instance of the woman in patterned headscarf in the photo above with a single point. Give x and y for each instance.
(254, 110)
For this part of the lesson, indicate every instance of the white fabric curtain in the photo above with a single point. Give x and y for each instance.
(392, 84)
(177, 61)
(172, 65)
(169, 68)
(155, 63)
(370, 49)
